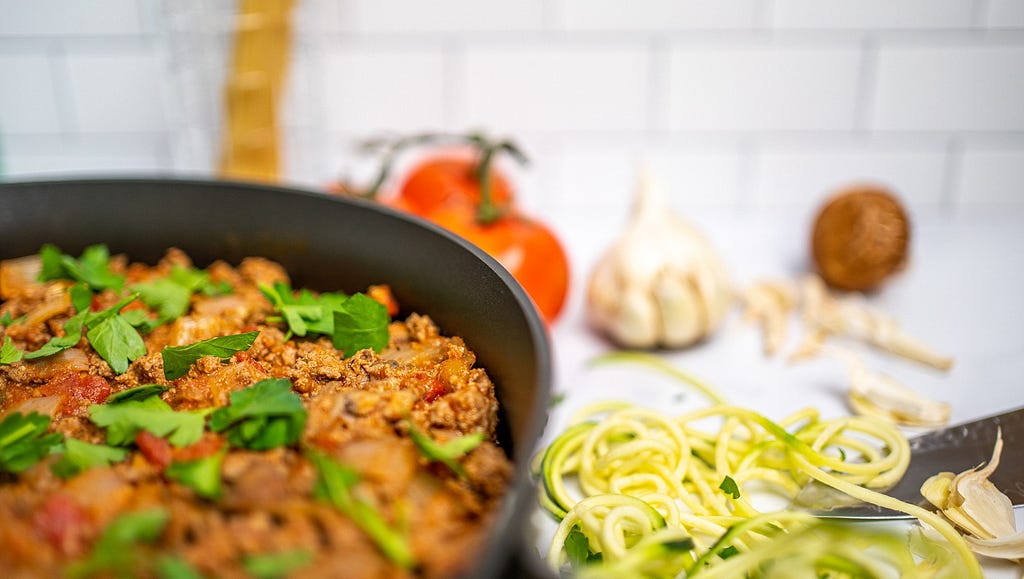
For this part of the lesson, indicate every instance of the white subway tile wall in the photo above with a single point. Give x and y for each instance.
(735, 105)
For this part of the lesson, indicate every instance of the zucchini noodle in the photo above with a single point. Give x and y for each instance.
(633, 483)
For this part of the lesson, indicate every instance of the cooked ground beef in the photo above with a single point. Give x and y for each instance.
(359, 412)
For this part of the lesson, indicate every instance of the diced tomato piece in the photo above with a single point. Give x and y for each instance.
(436, 390)
(62, 523)
(77, 392)
(156, 450)
(382, 295)
(207, 446)
(246, 358)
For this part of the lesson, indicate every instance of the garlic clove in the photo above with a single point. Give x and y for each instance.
(660, 283)
(878, 395)
(852, 318)
(979, 508)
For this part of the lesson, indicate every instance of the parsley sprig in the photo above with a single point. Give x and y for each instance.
(116, 552)
(201, 475)
(24, 441)
(92, 268)
(353, 322)
(178, 359)
(334, 484)
(266, 415)
(126, 413)
(730, 487)
(449, 452)
(79, 455)
(9, 353)
(171, 296)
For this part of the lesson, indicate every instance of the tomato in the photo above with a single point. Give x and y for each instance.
(443, 178)
(525, 247)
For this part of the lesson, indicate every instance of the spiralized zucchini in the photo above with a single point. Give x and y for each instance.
(641, 493)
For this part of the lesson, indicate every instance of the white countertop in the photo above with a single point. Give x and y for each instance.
(961, 293)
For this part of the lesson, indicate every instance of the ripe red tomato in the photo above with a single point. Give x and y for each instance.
(447, 177)
(525, 247)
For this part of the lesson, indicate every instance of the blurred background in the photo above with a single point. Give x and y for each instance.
(737, 105)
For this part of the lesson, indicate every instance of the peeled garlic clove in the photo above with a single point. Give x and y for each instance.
(881, 396)
(769, 303)
(852, 318)
(660, 284)
(978, 507)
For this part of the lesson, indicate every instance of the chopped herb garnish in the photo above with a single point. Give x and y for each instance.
(449, 452)
(730, 487)
(276, 565)
(360, 323)
(141, 321)
(266, 415)
(126, 413)
(334, 484)
(70, 339)
(556, 400)
(9, 353)
(81, 297)
(171, 296)
(137, 393)
(80, 455)
(114, 553)
(6, 320)
(24, 441)
(92, 268)
(114, 338)
(171, 567)
(201, 475)
(577, 548)
(730, 551)
(353, 322)
(178, 359)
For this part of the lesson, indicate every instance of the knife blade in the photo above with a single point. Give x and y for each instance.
(953, 449)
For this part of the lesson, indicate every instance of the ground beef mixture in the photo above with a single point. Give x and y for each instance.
(359, 412)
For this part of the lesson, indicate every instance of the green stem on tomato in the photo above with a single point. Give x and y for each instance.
(488, 211)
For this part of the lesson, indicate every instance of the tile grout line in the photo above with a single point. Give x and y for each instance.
(867, 85)
(948, 200)
(63, 91)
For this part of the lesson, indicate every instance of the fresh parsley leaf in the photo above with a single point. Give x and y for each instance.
(266, 415)
(124, 415)
(171, 567)
(730, 487)
(137, 393)
(276, 564)
(80, 455)
(170, 299)
(556, 400)
(361, 322)
(353, 322)
(9, 353)
(70, 339)
(171, 296)
(7, 321)
(449, 452)
(201, 475)
(81, 297)
(334, 484)
(577, 548)
(842, 454)
(141, 321)
(178, 359)
(92, 268)
(24, 442)
(114, 553)
(299, 312)
(113, 337)
(730, 551)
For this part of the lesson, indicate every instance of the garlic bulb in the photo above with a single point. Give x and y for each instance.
(661, 284)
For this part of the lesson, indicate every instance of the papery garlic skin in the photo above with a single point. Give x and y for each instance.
(661, 284)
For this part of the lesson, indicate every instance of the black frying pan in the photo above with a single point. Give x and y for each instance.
(326, 243)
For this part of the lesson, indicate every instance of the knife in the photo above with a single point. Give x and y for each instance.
(952, 449)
